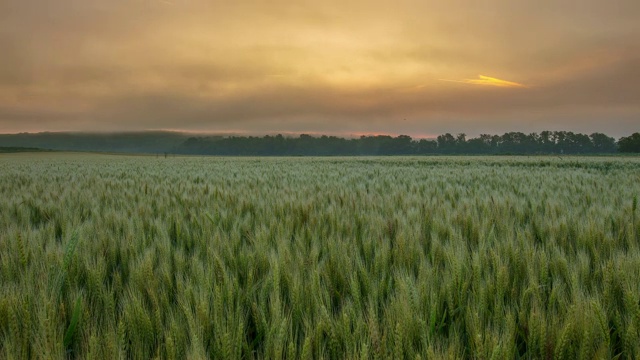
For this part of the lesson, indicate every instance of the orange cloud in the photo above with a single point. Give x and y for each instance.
(488, 81)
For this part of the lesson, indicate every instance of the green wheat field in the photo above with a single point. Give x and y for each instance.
(139, 257)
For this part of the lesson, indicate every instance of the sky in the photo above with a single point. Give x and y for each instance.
(344, 67)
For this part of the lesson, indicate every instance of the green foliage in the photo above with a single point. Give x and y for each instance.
(242, 258)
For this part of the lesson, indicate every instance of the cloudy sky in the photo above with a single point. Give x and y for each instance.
(341, 67)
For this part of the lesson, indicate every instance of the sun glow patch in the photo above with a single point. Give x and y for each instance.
(488, 81)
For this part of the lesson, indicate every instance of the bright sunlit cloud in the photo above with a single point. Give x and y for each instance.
(488, 81)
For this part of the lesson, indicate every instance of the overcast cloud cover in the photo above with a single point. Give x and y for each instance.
(341, 67)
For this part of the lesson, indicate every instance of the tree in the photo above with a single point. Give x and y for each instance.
(446, 142)
(602, 143)
(402, 145)
(630, 144)
(546, 141)
(425, 146)
(514, 142)
(580, 143)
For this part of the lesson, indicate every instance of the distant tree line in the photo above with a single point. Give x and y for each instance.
(17, 149)
(149, 142)
(162, 142)
(546, 142)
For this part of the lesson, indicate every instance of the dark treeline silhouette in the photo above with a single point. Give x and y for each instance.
(16, 149)
(546, 142)
(150, 142)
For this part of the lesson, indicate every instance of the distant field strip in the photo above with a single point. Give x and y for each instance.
(105, 257)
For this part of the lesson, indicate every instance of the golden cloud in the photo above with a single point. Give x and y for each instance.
(488, 81)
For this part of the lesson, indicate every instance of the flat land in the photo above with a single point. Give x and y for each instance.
(105, 256)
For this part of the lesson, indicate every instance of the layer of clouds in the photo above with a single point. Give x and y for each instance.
(335, 67)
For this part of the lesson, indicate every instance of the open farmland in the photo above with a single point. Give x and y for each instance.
(419, 257)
